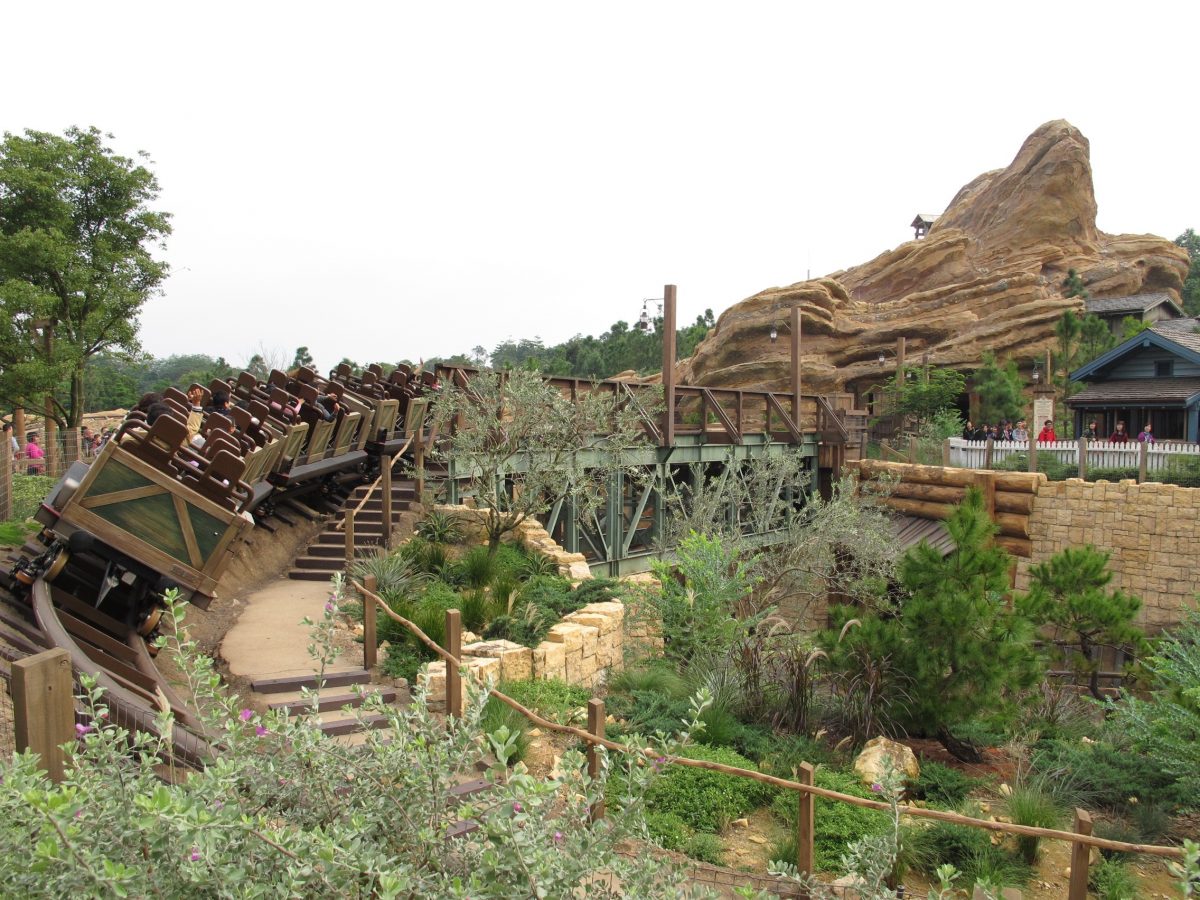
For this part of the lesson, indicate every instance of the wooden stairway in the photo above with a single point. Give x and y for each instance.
(327, 553)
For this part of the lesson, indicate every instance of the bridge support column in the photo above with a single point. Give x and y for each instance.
(614, 524)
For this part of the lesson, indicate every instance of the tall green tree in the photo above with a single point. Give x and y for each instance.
(77, 240)
(1070, 593)
(955, 648)
(1001, 390)
(302, 358)
(921, 394)
(1190, 241)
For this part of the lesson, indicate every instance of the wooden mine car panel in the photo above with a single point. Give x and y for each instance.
(147, 515)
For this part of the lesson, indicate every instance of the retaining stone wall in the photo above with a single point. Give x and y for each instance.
(1152, 531)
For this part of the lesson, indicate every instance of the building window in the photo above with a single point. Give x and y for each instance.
(1163, 368)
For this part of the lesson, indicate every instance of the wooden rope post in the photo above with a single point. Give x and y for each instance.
(987, 453)
(1143, 448)
(595, 727)
(349, 520)
(805, 821)
(1033, 460)
(454, 697)
(370, 645)
(419, 467)
(386, 499)
(1083, 452)
(1080, 856)
(946, 453)
(44, 707)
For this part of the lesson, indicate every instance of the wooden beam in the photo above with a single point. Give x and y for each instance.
(805, 821)
(1080, 854)
(596, 721)
(454, 697)
(370, 641)
(44, 707)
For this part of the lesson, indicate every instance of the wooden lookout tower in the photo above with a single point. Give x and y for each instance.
(922, 223)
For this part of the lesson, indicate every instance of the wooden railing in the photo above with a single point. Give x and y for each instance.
(1081, 838)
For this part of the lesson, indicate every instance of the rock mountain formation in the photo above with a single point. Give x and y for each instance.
(989, 276)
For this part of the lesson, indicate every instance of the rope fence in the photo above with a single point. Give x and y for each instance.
(1081, 838)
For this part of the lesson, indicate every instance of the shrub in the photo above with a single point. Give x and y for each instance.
(510, 560)
(943, 785)
(1029, 803)
(838, 824)
(704, 800)
(554, 699)
(403, 661)
(654, 679)
(476, 609)
(706, 848)
(497, 715)
(476, 569)
(1106, 776)
(440, 527)
(278, 814)
(396, 577)
(786, 752)
(28, 492)
(426, 557)
(957, 845)
(647, 712)
(596, 590)
(667, 830)
(535, 566)
(1111, 880)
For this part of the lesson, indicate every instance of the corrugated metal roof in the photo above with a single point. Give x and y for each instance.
(1132, 303)
(911, 530)
(1137, 390)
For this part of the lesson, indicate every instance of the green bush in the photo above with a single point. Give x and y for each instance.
(667, 830)
(426, 557)
(596, 590)
(403, 661)
(704, 800)
(510, 560)
(943, 785)
(497, 714)
(1111, 880)
(535, 566)
(1029, 804)
(477, 569)
(476, 609)
(28, 492)
(838, 824)
(1107, 776)
(552, 698)
(440, 528)
(706, 848)
(541, 603)
(1048, 464)
(957, 845)
(787, 751)
(648, 712)
(655, 679)
(13, 534)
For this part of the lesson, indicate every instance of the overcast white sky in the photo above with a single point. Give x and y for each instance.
(400, 180)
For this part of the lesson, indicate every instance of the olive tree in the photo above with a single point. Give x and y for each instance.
(525, 445)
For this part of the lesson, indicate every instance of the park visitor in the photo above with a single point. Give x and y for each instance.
(1047, 433)
(1120, 436)
(35, 454)
(1146, 435)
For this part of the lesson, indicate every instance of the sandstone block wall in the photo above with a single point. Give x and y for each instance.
(1152, 532)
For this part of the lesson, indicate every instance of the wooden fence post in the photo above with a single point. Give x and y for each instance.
(1143, 448)
(912, 448)
(946, 453)
(385, 485)
(1080, 856)
(349, 538)
(595, 728)
(44, 707)
(805, 821)
(1082, 452)
(454, 697)
(370, 647)
(987, 453)
(419, 466)
(1033, 454)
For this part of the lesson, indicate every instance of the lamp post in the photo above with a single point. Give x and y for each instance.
(46, 327)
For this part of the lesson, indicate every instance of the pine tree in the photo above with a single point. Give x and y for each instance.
(1001, 392)
(965, 651)
(1069, 592)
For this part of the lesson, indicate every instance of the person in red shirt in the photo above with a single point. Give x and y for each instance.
(1047, 432)
(1120, 436)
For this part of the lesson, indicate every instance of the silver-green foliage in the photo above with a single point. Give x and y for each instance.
(284, 811)
(1166, 724)
(517, 426)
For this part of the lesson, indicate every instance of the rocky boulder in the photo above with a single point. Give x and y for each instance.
(881, 756)
(988, 276)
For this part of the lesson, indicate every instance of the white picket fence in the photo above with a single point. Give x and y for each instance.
(1100, 454)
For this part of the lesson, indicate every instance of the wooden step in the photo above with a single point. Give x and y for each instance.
(339, 727)
(336, 701)
(298, 682)
(320, 563)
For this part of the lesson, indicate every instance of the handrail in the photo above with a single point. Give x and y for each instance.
(762, 777)
(371, 491)
(829, 415)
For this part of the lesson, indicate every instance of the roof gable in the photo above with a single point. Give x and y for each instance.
(1182, 343)
(1136, 303)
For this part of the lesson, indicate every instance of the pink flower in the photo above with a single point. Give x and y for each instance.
(81, 730)
(558, 837)
(79, 813)
(877, 788)
(260, 730)
(195, 855)
(517, 807)
(247, 715)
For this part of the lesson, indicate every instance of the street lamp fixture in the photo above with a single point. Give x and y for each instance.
(644, 322)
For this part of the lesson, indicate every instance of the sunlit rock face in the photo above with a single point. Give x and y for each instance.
(989, 276)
